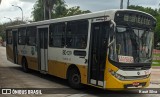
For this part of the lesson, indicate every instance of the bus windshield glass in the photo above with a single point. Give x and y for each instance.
(133, 45)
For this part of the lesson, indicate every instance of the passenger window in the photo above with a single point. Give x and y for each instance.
(22, 36)
(77, 33)
(57, 38)
(31, 36)
(9, 37)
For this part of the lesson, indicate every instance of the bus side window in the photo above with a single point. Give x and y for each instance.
(82, 34)
(57, 35)
(77, 33)
(9, 36)
(22, 36)
(71, 29)
(31, 36)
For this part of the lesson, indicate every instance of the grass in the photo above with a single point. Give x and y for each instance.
(156, 62)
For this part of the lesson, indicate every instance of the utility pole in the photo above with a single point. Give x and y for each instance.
(121, 4)
(44, 8)
(127, 4)
(20, 9)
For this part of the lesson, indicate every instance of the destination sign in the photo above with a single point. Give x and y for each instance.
(134, 19)
(137, 19)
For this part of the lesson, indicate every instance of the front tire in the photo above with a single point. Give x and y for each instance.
(25, 65)
(74, 79)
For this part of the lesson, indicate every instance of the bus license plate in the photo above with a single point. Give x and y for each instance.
(135, 84)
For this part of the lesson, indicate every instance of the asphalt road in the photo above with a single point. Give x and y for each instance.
(12, 76)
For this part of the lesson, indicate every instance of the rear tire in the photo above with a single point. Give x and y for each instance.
(74, 78)
(25, 65)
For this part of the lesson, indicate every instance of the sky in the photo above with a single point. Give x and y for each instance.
(7, 10)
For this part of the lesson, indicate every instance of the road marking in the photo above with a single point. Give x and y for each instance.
(77, 95)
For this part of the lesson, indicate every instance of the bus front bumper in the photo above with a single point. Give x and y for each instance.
(114, 83)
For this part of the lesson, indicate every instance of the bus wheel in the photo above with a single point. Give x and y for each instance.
(74, 79)
(24, 65)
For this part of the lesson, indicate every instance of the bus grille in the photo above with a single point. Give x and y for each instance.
(135, 77)
(135, 67)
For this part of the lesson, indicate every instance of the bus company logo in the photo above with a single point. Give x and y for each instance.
(65, 52)
(138, 73)
(6, 91)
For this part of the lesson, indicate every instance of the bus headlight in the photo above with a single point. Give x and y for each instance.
(118, 76)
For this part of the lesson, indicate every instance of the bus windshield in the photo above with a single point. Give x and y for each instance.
(133, 45)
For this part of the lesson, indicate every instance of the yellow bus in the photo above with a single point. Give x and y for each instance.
(110, 49)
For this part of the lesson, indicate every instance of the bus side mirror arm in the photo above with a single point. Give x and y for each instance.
(111, 43)
(112, 25)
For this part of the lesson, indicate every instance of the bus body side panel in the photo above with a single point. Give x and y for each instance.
(64, 58)
(9, 51)
(59, 69)
(19, 59)
(56, 68)
(30, 53)
(32, 57)
(20, 49)
(32, 63)
(60, 58)
(83, 72)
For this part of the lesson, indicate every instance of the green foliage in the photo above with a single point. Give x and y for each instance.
(149, 10)
(37, 12)
(3, 27)
(156, 62)
(3, 35)
(59, 9)
(76, 11)
(2, 31)
(156, 14)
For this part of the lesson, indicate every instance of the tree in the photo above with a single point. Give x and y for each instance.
(156, 14)
(5, 25)
(48, 6)
(57, 8)
(76, 11)
(37, 12)
(62, 11)
(2, 31)
(149, 10)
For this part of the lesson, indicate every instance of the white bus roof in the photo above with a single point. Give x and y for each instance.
(109, 13)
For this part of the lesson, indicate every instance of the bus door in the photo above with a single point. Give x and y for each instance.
(43, 48)
(15, 53)
(98, 52)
